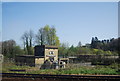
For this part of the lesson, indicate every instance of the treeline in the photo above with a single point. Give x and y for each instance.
(74, 51)
(109, 44)
(97, 47)
(47, 36)
(10, 49)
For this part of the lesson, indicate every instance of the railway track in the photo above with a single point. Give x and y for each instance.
(48, 77)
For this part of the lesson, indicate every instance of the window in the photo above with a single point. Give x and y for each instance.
(51, 52)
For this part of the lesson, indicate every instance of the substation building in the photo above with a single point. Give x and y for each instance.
(42, 53)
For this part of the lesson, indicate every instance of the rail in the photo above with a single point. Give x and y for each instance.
(49, 76)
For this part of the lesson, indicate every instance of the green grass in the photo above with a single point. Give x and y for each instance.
(97, 70)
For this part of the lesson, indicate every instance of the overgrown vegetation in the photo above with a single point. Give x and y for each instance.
(71, 69)
(97, 47)
(73, 51)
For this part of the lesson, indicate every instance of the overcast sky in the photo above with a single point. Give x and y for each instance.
(74, 21)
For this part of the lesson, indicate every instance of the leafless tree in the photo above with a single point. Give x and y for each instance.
(27, 38)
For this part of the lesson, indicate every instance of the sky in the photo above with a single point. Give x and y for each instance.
(59, 0)
(74, 21)
(0, 21)
(119, 20)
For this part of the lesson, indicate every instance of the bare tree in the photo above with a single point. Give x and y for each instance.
(79, 44)
(27, 38)
(40, 37)
(31, 36)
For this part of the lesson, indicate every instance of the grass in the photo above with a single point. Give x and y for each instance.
(97, 70)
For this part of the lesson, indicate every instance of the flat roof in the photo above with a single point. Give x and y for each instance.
(30, 56)
(47, 46)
